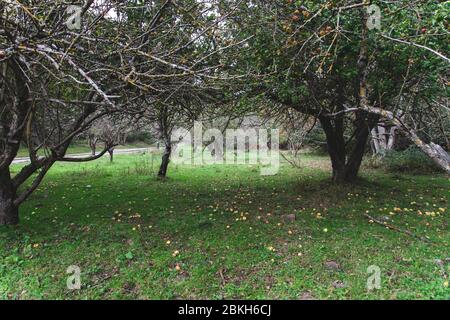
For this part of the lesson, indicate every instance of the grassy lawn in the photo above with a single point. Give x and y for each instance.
(218, 232)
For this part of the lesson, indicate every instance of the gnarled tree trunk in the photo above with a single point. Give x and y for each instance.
(165, 161)
(346, 163)
(9, 212)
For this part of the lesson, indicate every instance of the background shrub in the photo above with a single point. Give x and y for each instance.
(410, 160)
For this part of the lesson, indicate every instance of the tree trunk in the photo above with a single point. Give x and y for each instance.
(335, 147)
(348, 173)
(93, 143)
(165, 161)
(392, 138)
(338, 166)
(9, 212)
(111, 155)
(93, 148)
(356, 156)
(375, 143)
(383, 138)
(346, 166)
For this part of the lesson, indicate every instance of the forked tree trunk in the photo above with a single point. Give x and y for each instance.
(345, 164)
(165, 161)
(354, 163)
(9, 213)
(347, 170)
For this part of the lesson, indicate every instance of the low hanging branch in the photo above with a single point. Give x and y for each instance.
(87, 159)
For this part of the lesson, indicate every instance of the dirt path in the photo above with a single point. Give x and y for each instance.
(84, 155)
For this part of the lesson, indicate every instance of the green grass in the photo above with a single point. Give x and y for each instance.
(123, 228)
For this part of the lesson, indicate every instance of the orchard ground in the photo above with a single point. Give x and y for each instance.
(220, 232)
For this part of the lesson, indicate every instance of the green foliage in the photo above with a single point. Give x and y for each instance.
(141, 136)
(317, 140)
(373, 162)
(411, 160)
(309, 52)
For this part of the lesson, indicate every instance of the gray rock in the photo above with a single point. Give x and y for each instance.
(338, 284)
(439, 262)
(289, 218)
(332, 265)
(307, 295)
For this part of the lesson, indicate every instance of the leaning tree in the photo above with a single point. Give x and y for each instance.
(52, 87)
(63, 68)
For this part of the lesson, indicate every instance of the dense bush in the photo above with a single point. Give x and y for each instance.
(317, 141)
(140, 136)
(411, 160)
